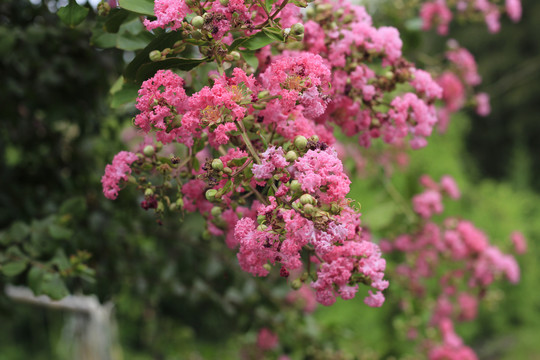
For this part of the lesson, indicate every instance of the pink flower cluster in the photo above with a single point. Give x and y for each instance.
(310, 212)
(438, 12)
(429, 202)
(359, 90)
(116, 172)
(475, 264)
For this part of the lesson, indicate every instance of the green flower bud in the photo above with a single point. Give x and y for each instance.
(180, 202)
(211, 194)
(149, 150)
(235, 55)
(217, 164)
(159, 146)
(216, 211)
(172, 207)
(296, 284)
(295, 186)
(297, 29)
(197, 35)
(336, 209)
(314, 138)
(291, 156)
(197, 22)
(227, 170)
(300, 142)
(155, 55)
(103, 8)
(160, 207)
(267, 267)
(309, 209)
(148, 192)
(262, 227)
(224, 2)
(263, 94)
(307, 199)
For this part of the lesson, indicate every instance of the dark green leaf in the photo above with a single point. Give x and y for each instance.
(268, 4)
(161, 42)
(75, 207)
(72, 14)
(54, 286)
(116, 18)
(145, 7)
(14, 268)
(60, 259)
(35, 279)
(148, 70)
(19, 231)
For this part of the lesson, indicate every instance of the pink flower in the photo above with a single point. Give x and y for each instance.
(428, 203)
(513, 8)
(449, 186)
(436, 11)
(169, 13)
(483, 107)
(453, 91)
(267, 340)
(117, 171)
(519, 241)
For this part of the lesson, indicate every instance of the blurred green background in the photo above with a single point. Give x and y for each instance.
(177, 296)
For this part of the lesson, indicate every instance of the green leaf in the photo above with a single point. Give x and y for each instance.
(250, 58)
(14, 268)
(148, 70)
(161, 42)
(145, 7)
(116, 18)
(257, 41)
(60, 232)
(60, 259)
(274, 33)
(103, 39)
(72, 14)
(130, 42)
(76, 207)
(128, 93)
(54, 286)
(268, 4)
(19, 231)
(35, 279)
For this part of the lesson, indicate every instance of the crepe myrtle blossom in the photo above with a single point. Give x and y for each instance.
(116, 172)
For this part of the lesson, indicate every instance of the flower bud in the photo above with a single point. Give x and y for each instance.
(180, 203)
(236, 55)
(296, 284)
(197, 22)
(263, 94)
(295, 186)
(103, 8)
(224, 2)
(149, 150)
(307, 199)
(216, 211)
(148, 192)
(211, 194)
(291, 156)
(335, 209)
(262, 227)
(297, 29)
(197, 35)
(227, 170)
(217, 164)
(155, 55)
(309, 209)
(160, 207)
(267, 267)
(314, 138)
(300, 142)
